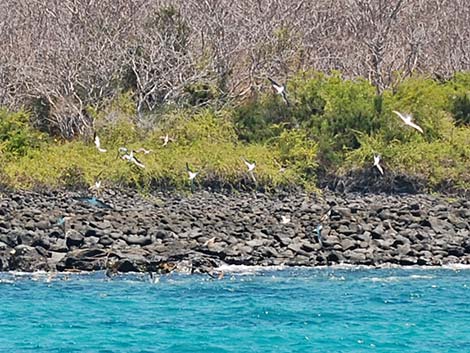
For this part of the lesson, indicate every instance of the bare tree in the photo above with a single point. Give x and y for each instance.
(62, 58)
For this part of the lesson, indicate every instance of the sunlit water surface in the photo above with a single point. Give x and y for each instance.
(289, 310)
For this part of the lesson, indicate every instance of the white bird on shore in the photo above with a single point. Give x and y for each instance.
(280, 89)
(377, 163)
(98, 144)
(407, 119)
(285, 219)
(166, 139)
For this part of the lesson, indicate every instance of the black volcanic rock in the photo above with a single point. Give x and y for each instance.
(205, 229)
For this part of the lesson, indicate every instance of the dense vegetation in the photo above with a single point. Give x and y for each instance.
(332, 125)
(135, 70)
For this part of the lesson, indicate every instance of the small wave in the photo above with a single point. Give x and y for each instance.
(248, 270)
(391, 279)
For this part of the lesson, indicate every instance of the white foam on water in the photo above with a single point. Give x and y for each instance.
(248, 270)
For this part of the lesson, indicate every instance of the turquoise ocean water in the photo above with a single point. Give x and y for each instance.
(290, 310)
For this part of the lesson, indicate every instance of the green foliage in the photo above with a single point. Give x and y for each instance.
(205, 125)
(332, 109)
(332, 125)
(427, 101)
(17, 137)
(298, 153)
(262, 119)
(459, 88)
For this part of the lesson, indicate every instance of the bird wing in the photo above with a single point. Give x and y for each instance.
(97, 142)
(284, 97)
(252, 176)
(417, 127)
(402, 117)
(274, 83)
(379, 167)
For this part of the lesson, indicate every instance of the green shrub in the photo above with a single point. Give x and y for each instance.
(17, 137)
(427, 101)
(459, 87)
(262, 119)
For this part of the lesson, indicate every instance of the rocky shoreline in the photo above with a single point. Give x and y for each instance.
(199, 232)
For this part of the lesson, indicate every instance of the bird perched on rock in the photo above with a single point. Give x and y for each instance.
(98, 144)
(279, 89)
(377, 163)
(407, 119)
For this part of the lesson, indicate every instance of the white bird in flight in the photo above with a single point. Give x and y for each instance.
(251, 167)
(407, 119)
(132, 159)
(98, 144)
(191, 174)
(142, 150)
(280, 89)
(376, 163)
(166, 139)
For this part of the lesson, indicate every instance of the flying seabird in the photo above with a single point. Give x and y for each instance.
(251, 167)
(376, 163)
(98, 144)
(142, 150)
(280, 89)
(318, 233)
(166, 139)
(191, 175)
(132, 159)
(407, 119)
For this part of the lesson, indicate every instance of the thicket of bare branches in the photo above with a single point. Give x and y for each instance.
(60, 57)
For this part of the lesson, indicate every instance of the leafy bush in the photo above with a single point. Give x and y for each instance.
(459, 88)
(17, 136)
(262, 119)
